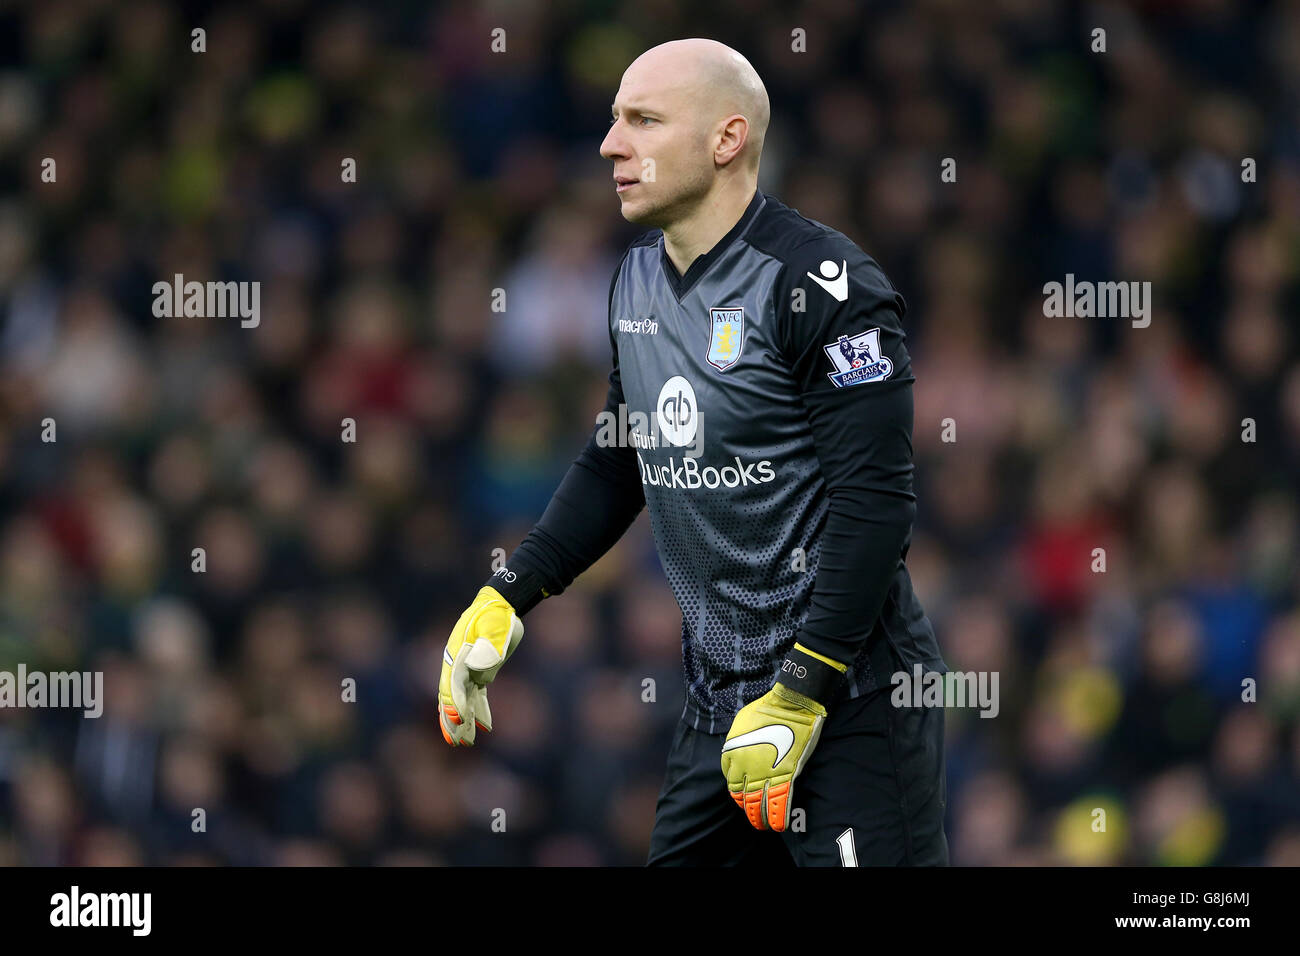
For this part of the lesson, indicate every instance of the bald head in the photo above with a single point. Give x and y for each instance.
(714, 81)
(686, 136)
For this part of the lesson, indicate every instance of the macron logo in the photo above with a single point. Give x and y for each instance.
(778, 735)
(836, 285)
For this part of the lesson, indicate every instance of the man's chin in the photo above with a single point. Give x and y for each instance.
(632, 211)
(639, 213)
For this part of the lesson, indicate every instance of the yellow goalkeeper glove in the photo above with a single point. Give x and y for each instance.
(772, 738)
(483, 639)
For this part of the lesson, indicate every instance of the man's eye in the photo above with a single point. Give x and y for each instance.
(646, 119)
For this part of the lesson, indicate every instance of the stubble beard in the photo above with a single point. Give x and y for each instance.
(676, 206)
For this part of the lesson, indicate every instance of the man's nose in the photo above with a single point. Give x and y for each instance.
(613, 147)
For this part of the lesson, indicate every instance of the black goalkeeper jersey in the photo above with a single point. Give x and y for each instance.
(760, 407)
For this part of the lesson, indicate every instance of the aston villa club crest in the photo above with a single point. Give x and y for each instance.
(857, 359)
(728, 336)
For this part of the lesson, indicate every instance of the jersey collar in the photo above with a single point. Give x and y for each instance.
(681, 284)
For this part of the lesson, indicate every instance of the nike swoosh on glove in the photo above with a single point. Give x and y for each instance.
(772, 738)
(483, 639)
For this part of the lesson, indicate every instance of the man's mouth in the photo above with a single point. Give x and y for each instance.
(623, 183)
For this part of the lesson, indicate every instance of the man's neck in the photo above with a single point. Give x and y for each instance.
(692, 237)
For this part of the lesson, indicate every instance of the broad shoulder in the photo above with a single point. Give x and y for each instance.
(803, 244)
(814, 253)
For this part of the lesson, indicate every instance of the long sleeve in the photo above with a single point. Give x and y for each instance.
(595, 503)
(853, 374)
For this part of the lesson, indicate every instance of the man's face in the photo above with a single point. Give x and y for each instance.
(662, 162)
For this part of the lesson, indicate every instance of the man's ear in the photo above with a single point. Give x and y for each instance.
(733, 135)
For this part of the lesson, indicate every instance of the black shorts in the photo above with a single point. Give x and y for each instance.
(873, 793)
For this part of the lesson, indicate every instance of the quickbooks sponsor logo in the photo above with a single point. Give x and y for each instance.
(677, 411)
(688, 474)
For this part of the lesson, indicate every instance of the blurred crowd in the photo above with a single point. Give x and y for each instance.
(327, 560)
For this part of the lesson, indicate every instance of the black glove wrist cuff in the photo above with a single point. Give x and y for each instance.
(806, 675)
(523, 588)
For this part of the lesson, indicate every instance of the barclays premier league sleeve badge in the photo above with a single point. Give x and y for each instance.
(857, 359)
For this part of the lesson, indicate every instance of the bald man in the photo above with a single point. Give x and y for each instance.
(760, 408)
